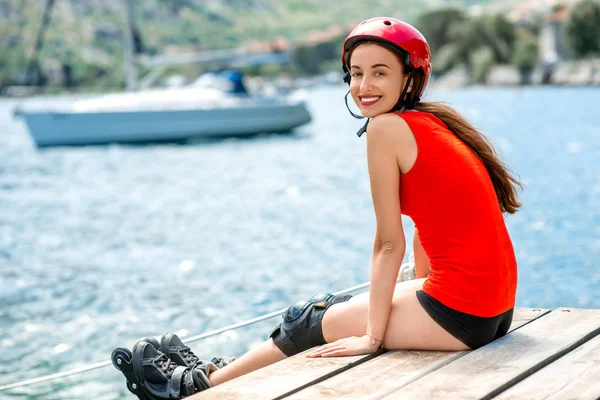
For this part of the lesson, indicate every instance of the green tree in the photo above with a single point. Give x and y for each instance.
(478, 43)
(329, 50)
(583, 28)
(504, 36)
(436, 26)
(526, 54)
(13, 64)
(481, 62)
(307, 60)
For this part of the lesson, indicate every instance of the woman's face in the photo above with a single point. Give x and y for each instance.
(377, 79)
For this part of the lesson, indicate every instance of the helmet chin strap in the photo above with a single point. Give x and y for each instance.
(349, 110)
(400, 105)
(364, 128)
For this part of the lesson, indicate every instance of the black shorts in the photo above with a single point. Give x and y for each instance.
(473, 331)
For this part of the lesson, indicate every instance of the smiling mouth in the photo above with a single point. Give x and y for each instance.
(369, 101)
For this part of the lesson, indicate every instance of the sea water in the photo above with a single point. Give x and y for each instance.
(100, 246)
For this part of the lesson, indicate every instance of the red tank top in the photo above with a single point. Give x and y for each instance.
(450, 197)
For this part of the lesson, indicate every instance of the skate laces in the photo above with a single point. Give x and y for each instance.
(222, 361)
(165, 364)
(188, 355)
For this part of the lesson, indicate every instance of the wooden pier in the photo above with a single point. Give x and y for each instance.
(546, 355)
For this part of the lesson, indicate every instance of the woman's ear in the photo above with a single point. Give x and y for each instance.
(408, 89)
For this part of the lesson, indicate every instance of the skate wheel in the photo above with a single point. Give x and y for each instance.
(130, 388)
(119, 357)
(138, 392)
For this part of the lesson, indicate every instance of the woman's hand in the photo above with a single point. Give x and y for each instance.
(352, 346)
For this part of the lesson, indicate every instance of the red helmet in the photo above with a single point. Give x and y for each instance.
(396, 34)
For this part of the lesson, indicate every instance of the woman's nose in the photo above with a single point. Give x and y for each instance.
(365, 85)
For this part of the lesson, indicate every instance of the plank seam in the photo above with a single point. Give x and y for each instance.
(428, 371)
(333, 373)
(541, 365)
(459, 355)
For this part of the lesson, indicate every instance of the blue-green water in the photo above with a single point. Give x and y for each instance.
(100, 246)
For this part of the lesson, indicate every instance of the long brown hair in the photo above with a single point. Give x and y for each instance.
(505, 184)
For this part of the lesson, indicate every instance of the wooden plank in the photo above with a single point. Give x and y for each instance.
(282, 378)
(492, 369)
(574, 376)
(395, 369)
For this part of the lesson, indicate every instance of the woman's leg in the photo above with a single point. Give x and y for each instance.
(261, 356)
(409, 327)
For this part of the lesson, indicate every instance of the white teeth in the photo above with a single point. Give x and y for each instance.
(369, 99)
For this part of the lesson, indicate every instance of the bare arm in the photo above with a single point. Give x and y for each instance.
(383, 144)
(421, 258)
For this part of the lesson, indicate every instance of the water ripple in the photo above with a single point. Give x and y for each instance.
(100, 246)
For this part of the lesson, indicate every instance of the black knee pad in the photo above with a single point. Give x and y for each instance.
(301, 327)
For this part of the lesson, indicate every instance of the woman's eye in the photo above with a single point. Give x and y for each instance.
(356, 74)
(379, 73)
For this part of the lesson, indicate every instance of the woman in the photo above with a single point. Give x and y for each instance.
(424, 161)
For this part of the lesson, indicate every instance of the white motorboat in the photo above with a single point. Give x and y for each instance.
(216, 105)
(161, 115)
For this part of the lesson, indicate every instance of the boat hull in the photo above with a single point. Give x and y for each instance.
(51, 128)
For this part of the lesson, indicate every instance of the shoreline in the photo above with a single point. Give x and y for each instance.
(562, 73)
(573, 73)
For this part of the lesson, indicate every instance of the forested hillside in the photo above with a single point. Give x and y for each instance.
(88, 35)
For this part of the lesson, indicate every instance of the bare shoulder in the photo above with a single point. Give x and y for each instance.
(390, 133)
(389, 128)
